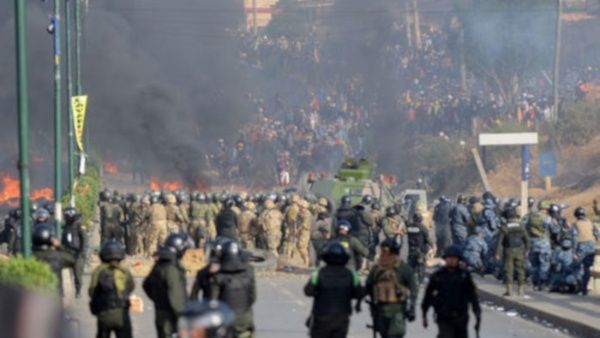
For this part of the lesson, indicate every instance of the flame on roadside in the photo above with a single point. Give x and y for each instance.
(110, 168)
(10, 192)
(157, 185)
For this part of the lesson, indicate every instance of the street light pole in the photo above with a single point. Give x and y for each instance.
(57, 121)
(71, 144)
(78, 89)
(23, 111)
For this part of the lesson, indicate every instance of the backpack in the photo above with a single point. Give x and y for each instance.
(387, 288)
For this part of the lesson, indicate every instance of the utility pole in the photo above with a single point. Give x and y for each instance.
(23, 111)
(78, 89)
(57, 121)
(556, 77)
(254, 23)
(71, 144)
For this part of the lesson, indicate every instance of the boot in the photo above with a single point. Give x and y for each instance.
(521, 290)
(508, 292)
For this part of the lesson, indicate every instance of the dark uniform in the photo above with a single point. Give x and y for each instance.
(441, 219)
(514, 241)
(354, 247)
(166, 285)
(419, 244)
(45, 251)
(75, 242)
(333, 288)
(449, 292)
(11, 232)
(393, 290)
(235, 285)
(227, 222)
(110, 288)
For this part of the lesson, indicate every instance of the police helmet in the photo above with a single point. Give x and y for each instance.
(367, 199)
(488, 196)
(554, 210)
(510, 212)
(42, 236)
(346, 201)
(15, 213)
(105, 195)
(231, 257)
(50, 207)
(201, 197)
(461, 199)
(70, 214)
(344, 225)
(215, 248)
(417, 218)
(566, 244)
(530, 202)
(112, 250)
(376, 206)
(238, 200)
(473, 200)
(391, 245)
(335, 254)
(214, 317)
(453, 251)
(41, 216)
(178, 244)
(579, 213)
(117, 199)
(228, 203)
(390, 211)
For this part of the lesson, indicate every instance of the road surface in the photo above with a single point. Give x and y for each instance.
(282, 309)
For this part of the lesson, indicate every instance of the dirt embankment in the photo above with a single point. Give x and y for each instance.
(577, 182)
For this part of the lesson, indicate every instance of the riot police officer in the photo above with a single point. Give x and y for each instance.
(585, 235)
(513, 242)
(12, 232)
(475, 251)
(227, 221)
(166, 284)
(538, 227)
(419, 245)
(333, 288)
(234, 284)
(110, 288)
(441, 219)
(354, 246)
(75, 242)
(46, 248)
(459, 220)
(344, 212)
(207, 319)
(449, 292)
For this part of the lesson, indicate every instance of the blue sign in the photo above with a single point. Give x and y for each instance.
(525, 165)
(547, 166)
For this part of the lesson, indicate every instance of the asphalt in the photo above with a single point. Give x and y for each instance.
(282, 308)
(576, 313)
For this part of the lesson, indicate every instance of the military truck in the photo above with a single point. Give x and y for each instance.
(354, 178)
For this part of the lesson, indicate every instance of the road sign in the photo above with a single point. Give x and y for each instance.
(507, 139)
(547, 166)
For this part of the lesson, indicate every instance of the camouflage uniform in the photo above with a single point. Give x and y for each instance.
(291, 227)
(303, 234)
(247, 226)
(158, 227)
(138, 218)
(175, 219)
(270, 223)
(198, 226)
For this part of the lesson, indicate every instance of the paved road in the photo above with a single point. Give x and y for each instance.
(282, 309)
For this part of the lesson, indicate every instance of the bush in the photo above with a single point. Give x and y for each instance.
(577, 123)
(86, 194)
(29, 274)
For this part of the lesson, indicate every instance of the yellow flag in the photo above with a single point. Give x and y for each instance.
(79, 105)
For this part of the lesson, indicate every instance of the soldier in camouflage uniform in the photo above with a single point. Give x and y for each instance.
(291, 226)
(247, 225)
(513, 242)
(270, 224)
(158, 225)
(303, 233)
(175, 219)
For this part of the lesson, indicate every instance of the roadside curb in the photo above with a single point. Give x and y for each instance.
(575, 328)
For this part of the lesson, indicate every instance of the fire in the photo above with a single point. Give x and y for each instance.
(156, 185)
(110, 168)
(43, 194)
(10, 192)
